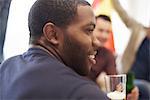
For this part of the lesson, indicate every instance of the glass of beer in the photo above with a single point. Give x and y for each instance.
(116, 86)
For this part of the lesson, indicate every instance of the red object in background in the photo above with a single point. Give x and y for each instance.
(96, 3)
(110, 43)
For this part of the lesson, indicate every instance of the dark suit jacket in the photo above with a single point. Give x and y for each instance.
(36, 75)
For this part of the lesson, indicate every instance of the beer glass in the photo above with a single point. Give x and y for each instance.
(116, 86)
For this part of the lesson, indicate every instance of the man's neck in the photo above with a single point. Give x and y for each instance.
(52, 52)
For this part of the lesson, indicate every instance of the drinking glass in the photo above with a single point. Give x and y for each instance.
(116, 86)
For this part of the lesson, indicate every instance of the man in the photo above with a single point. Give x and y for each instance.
(62, 52)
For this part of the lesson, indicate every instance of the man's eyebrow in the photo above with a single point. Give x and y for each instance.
(91, 24)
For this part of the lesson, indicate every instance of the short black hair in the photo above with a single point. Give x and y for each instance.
(59, 12)
(105, 17)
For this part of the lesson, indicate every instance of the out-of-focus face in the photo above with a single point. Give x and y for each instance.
(102, 30)
(79, 45)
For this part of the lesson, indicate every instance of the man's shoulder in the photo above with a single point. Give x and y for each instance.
(52, 78)
(89, 91)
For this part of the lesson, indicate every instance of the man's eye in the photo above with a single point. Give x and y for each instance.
(89, 31)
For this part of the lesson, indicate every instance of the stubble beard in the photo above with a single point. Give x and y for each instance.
(75, 57)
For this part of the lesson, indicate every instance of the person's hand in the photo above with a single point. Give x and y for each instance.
(134, 95)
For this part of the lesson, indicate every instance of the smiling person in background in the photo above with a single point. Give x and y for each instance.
(105, 59)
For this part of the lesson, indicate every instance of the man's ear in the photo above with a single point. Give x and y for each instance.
(50, 33)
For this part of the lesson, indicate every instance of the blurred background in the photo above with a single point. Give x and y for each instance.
(17, 34)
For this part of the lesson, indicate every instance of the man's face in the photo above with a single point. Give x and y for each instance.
(102, 30)
(79, 45)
